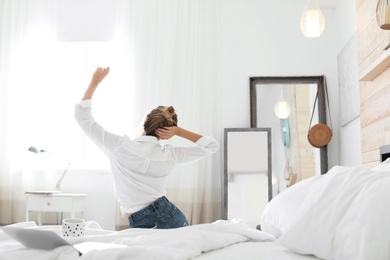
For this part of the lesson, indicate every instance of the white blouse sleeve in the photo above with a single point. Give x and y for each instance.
(204, 146)
(102, 138)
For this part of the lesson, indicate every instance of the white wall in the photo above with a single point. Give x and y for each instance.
(263, 38)
(349, 140)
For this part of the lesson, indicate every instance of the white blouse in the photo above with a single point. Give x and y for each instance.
(141, 166)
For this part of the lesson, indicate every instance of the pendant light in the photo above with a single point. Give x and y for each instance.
(383, 14)
(312, 20)
(282, 107)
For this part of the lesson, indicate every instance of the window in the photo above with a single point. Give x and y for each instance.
(48, 86)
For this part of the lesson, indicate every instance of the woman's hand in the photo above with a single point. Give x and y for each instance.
(98, 76)
(166, 132)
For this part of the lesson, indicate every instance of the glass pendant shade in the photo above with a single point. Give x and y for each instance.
(312, 20)
(282, 108)
(383, 14)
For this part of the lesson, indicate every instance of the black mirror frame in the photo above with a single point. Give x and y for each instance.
(319, 80)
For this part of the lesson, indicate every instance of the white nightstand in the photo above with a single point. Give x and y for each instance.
(49, 201)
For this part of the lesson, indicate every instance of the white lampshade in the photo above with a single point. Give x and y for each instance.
(312, 20)
(282, 108)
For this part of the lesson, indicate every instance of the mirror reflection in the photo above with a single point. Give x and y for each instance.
(247, 174)
(286, 105)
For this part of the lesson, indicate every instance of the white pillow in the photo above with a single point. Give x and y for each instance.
(288, 206)
(349, 220)
(364, 231)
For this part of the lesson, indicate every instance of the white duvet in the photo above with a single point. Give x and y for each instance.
(182, 243)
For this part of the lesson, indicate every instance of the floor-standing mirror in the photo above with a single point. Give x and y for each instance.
(247, 179)
(293, 158)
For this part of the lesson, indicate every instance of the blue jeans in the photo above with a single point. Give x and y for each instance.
(161, 214)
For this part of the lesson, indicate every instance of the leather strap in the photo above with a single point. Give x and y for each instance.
(322, 78)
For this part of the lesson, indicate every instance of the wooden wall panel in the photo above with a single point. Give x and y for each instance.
(375, 107)
(375, 94)
(370, 88)
(371, 39)
(371, 157)
(361, 12)
(373, 136)
(300, 100)
(380, 39)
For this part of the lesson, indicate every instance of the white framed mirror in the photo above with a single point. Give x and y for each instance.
(247, 178)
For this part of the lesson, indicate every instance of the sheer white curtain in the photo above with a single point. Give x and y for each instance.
(170, 55)
(173, 58)
(27, 34)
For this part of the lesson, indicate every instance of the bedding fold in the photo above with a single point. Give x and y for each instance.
(182, 243)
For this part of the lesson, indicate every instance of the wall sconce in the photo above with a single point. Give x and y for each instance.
(282, 107)
(312, 20)
(383, 14)
(58, 184)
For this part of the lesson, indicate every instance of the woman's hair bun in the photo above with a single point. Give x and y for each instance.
(169, 112)
(161, 116)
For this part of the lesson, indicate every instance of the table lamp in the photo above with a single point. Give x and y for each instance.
(33, 149)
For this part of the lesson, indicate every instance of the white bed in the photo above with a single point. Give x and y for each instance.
(219, 240)
(344, 214)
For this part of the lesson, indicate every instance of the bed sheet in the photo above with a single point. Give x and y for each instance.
(253, 250)
(182, 243)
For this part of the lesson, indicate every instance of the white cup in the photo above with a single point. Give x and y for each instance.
(73, 227)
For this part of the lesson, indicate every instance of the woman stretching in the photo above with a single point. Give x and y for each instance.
(141, 167)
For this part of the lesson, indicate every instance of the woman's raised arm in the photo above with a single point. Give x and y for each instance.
(98, 76)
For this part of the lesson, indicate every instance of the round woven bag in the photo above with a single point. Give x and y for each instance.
(319, 135)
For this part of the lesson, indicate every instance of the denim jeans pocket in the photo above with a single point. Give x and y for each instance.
(148, 221)
(174, 218)
(163, 215)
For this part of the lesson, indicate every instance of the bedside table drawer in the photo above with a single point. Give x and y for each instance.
(42, 201)
(49, 203)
